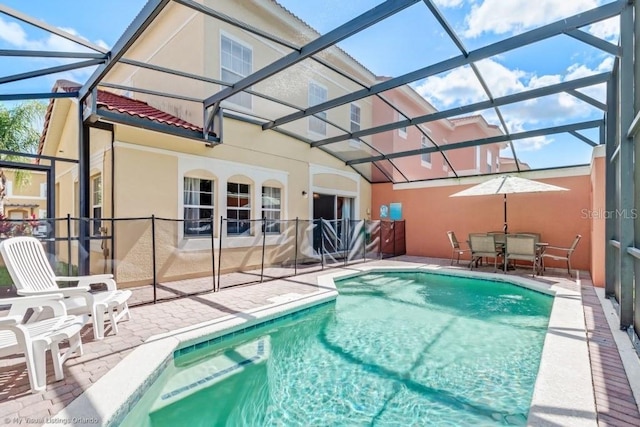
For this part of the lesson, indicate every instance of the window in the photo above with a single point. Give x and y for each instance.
(317, 95)
(489, 161)
(198, 206)
(271, 202)
(96, 204)
(425, 157)
(236, 62)
(43, 190)
(354, 119)
(238, 209)
(403, 132)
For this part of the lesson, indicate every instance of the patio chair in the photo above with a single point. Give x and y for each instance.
(455, 247)
(483, 246)
(562, 254)
(32, 274)
(522, 247)
(34, 339)
(499, 236)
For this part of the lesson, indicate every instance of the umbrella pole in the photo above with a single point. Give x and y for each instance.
(505, 214)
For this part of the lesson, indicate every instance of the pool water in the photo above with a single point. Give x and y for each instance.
(408, 349)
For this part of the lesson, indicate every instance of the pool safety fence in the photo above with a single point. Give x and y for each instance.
(164, 258)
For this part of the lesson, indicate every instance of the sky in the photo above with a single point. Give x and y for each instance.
(410, 40)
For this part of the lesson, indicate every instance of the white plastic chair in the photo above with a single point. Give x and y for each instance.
(35, 338)
(32, 274)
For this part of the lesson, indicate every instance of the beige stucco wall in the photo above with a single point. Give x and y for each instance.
(148, 181)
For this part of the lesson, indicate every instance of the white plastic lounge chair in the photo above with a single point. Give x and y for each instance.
(35, 338)
(32, 274)
(455, 247)
(522, 247)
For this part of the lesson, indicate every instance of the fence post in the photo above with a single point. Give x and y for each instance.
(153, 256)
(69, 273)
(295, 254)
(346, 249)
(220, 250)
(264, 241)
(321, 244)
(213, 256)
(364, 240)
(380, 240)
(394, 237)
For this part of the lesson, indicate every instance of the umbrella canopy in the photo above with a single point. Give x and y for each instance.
(507, 184)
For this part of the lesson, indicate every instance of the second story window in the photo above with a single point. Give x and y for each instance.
(238, 209)
(425, 157)
(317, 95)
(236, 62)
(198, 206)
(354, 119)
(96, 204)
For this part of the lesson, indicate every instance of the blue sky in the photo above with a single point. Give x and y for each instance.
(410, 40)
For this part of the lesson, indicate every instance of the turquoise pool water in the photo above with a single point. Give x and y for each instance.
(408, 349)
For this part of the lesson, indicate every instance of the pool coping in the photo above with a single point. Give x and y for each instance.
(108, 401)
(561, 396)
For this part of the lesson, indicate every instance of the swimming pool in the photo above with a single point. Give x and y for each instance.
(397, 348)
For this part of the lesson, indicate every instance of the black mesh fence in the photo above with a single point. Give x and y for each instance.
(163, 258)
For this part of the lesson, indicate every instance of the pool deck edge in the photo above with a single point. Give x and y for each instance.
(108, 400)
(563, 394)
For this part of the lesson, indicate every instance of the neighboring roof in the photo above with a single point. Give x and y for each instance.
(119, 103)
(471, 119)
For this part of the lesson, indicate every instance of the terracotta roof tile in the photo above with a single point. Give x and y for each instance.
(133, 107)
(121, 104)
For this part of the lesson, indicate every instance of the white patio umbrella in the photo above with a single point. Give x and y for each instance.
(507, 184)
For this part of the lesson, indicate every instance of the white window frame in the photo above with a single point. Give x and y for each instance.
(96, 204)
(403, 131)
(239, 208)
(242, 95)
(267, 211)
(316, 118)
(489, 161)
(198, 206)
(425, 158)
(354, 125)
(478, 158)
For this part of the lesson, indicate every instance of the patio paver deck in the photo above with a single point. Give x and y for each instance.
(614, 400)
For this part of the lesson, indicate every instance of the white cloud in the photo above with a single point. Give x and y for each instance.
(460, 87)
(608, 29)
(500, 17)
(14, 34)
(449, 3)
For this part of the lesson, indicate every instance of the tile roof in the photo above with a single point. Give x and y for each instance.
(120, 104)
(133, 107)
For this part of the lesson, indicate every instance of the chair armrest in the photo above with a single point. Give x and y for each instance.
(19, 306)
(558, 248)
(94, 279)
(10, 321)
(66, 292)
